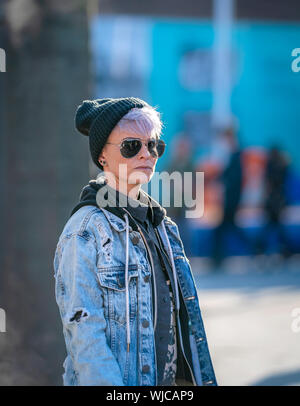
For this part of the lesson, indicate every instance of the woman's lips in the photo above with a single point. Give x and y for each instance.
(143, 167)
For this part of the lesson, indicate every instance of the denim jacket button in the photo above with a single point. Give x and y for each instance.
(145, 323)
(135, 240)
(147, 278)
(145, 368)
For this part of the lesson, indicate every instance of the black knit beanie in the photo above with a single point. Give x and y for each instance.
(97, 118)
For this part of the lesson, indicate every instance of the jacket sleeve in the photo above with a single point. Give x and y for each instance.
(80, 301)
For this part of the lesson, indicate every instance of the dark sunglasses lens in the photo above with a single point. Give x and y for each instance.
(130, 148)
(152, 148)
(156, 148)
(160, 147)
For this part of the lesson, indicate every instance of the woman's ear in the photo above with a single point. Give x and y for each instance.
(102, 160)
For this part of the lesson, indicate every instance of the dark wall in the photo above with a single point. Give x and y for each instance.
(288, 10)
(245, 9)
(168, 8)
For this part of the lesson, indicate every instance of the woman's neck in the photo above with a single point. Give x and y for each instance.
(127, 189)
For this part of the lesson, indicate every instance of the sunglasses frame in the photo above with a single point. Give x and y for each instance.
(120, 145)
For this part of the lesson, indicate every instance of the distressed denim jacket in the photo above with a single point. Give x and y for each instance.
(103, 293)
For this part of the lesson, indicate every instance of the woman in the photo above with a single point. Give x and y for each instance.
(124, 286)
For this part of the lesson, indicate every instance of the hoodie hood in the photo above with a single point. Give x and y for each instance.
(88, 196)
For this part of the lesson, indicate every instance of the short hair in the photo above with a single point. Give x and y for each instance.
(145, 120)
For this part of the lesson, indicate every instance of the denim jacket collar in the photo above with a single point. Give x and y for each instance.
(115, 221)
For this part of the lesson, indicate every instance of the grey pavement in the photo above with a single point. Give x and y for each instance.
(251, 313)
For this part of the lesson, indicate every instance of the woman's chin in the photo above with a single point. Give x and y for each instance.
(140, 176)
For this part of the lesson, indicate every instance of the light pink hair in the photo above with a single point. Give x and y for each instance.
(145, 120)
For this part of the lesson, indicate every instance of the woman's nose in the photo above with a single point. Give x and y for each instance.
(144, 150)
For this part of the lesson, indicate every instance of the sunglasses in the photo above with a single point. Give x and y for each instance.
(130, 147)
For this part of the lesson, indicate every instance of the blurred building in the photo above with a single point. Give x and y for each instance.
(204, 64)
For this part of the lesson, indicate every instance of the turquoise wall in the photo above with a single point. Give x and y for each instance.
(170, 40)
(266, 92)
(267, 96)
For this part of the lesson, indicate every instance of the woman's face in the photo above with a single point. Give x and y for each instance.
(130, 171)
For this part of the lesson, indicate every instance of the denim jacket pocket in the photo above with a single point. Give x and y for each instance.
(112, 281)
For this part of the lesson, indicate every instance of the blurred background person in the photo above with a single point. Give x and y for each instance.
(275, 179)
(231, 179)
